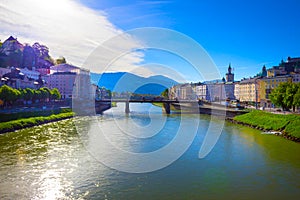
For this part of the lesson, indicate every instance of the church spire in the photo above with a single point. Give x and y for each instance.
(229, 75)
(229, 68)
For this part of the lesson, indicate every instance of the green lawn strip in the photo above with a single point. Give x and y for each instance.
(33, 121)
(288, 124)
(293, 128)
(5, 117)
(157, 104)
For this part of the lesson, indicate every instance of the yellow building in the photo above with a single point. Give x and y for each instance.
(247, 90)
(267, 84)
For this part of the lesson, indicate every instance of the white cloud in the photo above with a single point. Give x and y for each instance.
(69, 29)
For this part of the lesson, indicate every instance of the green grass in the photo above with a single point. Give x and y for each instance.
(293, 128)
(5, 117)
(157, 104)
(33, 121)
(288, 124)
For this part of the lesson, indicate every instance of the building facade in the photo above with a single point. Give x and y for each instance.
(247, 90)
(267, 84)
(70, 80)
(31, 74)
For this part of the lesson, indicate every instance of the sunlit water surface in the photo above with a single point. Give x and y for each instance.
(51, 162)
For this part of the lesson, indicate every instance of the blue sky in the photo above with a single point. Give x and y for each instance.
(247, 34)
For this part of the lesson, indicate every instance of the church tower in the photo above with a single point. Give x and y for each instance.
(229, 75)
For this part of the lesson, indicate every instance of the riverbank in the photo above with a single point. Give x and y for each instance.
(288, 125)
(32, 121)
(27, 112)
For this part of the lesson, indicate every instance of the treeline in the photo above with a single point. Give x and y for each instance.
(286, 95)
(9, 95)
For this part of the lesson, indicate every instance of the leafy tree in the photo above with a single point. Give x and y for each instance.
(109, 93)
(285, 95)
(29, 57)
(28, 94)
(60, 60)
(21, 96)
(48, 92)
(165, 93)
(55, 94)
(290, 92)
(296, 100)
(16, 95)
(278, 94)
(8, 94)
(45, 93)
(37, 95)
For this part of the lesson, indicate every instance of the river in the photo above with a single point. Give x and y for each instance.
(53, 161)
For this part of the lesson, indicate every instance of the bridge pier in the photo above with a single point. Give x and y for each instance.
(127, 110)
(166, 108)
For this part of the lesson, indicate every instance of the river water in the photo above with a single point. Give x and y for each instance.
(53, 161)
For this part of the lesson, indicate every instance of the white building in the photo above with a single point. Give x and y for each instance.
(296, 78)
(30, 73)
(4, 71)
(69, 80)
(202, 92)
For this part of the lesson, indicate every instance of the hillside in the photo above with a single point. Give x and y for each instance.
(127, 82)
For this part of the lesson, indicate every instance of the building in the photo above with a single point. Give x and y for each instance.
(69, 80)
(285, 67)
(16, 79)
(201, 91)
(220, 91)
(296, 77)
(182, 92)
(237, 90)
(276, 71)
(229, 75)
(100, 92)
(247, 90)
(43, 71)
(209, 91)
(266, 86)
(4, 71)
(31, 74)
(11, 45)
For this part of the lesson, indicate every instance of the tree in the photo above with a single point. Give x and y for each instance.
(285, 95)
(21, 96)
(28, 94)
(60, 60)
(290, 92)
(29, 57)
(277, 95)
(165, 93)
(45, 93)
(8, 95)
(37, 95)
(296, 100)
(55, 94)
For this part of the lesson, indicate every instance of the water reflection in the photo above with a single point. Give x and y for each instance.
(51, 162)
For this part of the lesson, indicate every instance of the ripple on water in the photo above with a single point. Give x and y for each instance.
(51, 162)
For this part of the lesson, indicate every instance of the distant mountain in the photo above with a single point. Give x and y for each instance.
(127, 82)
